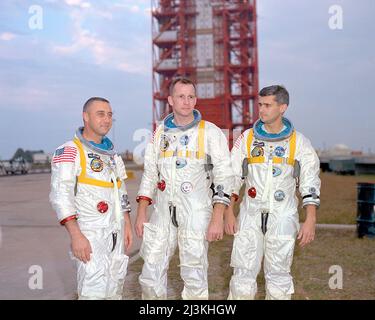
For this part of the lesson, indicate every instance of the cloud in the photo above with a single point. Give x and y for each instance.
(32, 98)
(141, 8)
(78, 3)
(132, 8)
(117, 55)
(7, 36)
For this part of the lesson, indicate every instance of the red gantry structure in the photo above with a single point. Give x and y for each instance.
(214, 43)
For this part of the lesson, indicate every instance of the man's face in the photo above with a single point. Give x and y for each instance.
(183, 99)
(98, 117)
(269, 110)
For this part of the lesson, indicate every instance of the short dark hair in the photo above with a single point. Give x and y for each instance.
(280, 93)
(91, 100)
(182, 80)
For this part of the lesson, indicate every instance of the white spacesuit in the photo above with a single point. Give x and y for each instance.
(181, 165)
(268, 222)
(82, 188)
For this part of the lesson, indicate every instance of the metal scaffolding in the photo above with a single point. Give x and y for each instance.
(214, 43)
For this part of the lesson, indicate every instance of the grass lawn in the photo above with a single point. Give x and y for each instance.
(311, 265)
(339, 198)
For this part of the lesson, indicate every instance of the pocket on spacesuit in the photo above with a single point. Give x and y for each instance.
(119, 267)
(192, 249)
(153, 248)
(90, 278)
(279, 253)
(244, 250)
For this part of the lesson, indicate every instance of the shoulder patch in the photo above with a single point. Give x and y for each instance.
(66, 153)
(238, 141)
(156, 133)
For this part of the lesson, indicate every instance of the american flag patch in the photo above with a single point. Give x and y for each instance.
(238, 141)
(65, 154)
(154, 136)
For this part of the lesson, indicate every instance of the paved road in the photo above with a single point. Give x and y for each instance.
(33, 243)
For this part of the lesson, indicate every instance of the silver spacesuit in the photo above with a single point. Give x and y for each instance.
(87, 184)
(181, 165)
(268, 222)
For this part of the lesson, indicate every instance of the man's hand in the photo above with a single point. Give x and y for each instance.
(128, 237)
(230, 222)
(307, 232)
(81, 247)
(141, 217)
(216, 227)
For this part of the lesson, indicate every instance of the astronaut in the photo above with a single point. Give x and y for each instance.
(89, 196)
(272, 159)
(188, 177)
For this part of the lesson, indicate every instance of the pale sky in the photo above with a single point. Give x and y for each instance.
(103, 48)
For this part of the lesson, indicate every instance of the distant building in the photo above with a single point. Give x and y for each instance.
(127, 156)
(342, 160)
(338, 150)
(41, 158)
(357, 153)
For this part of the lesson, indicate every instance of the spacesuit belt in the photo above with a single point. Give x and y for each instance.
(98, 183)
(275, 160)
(182, 154)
